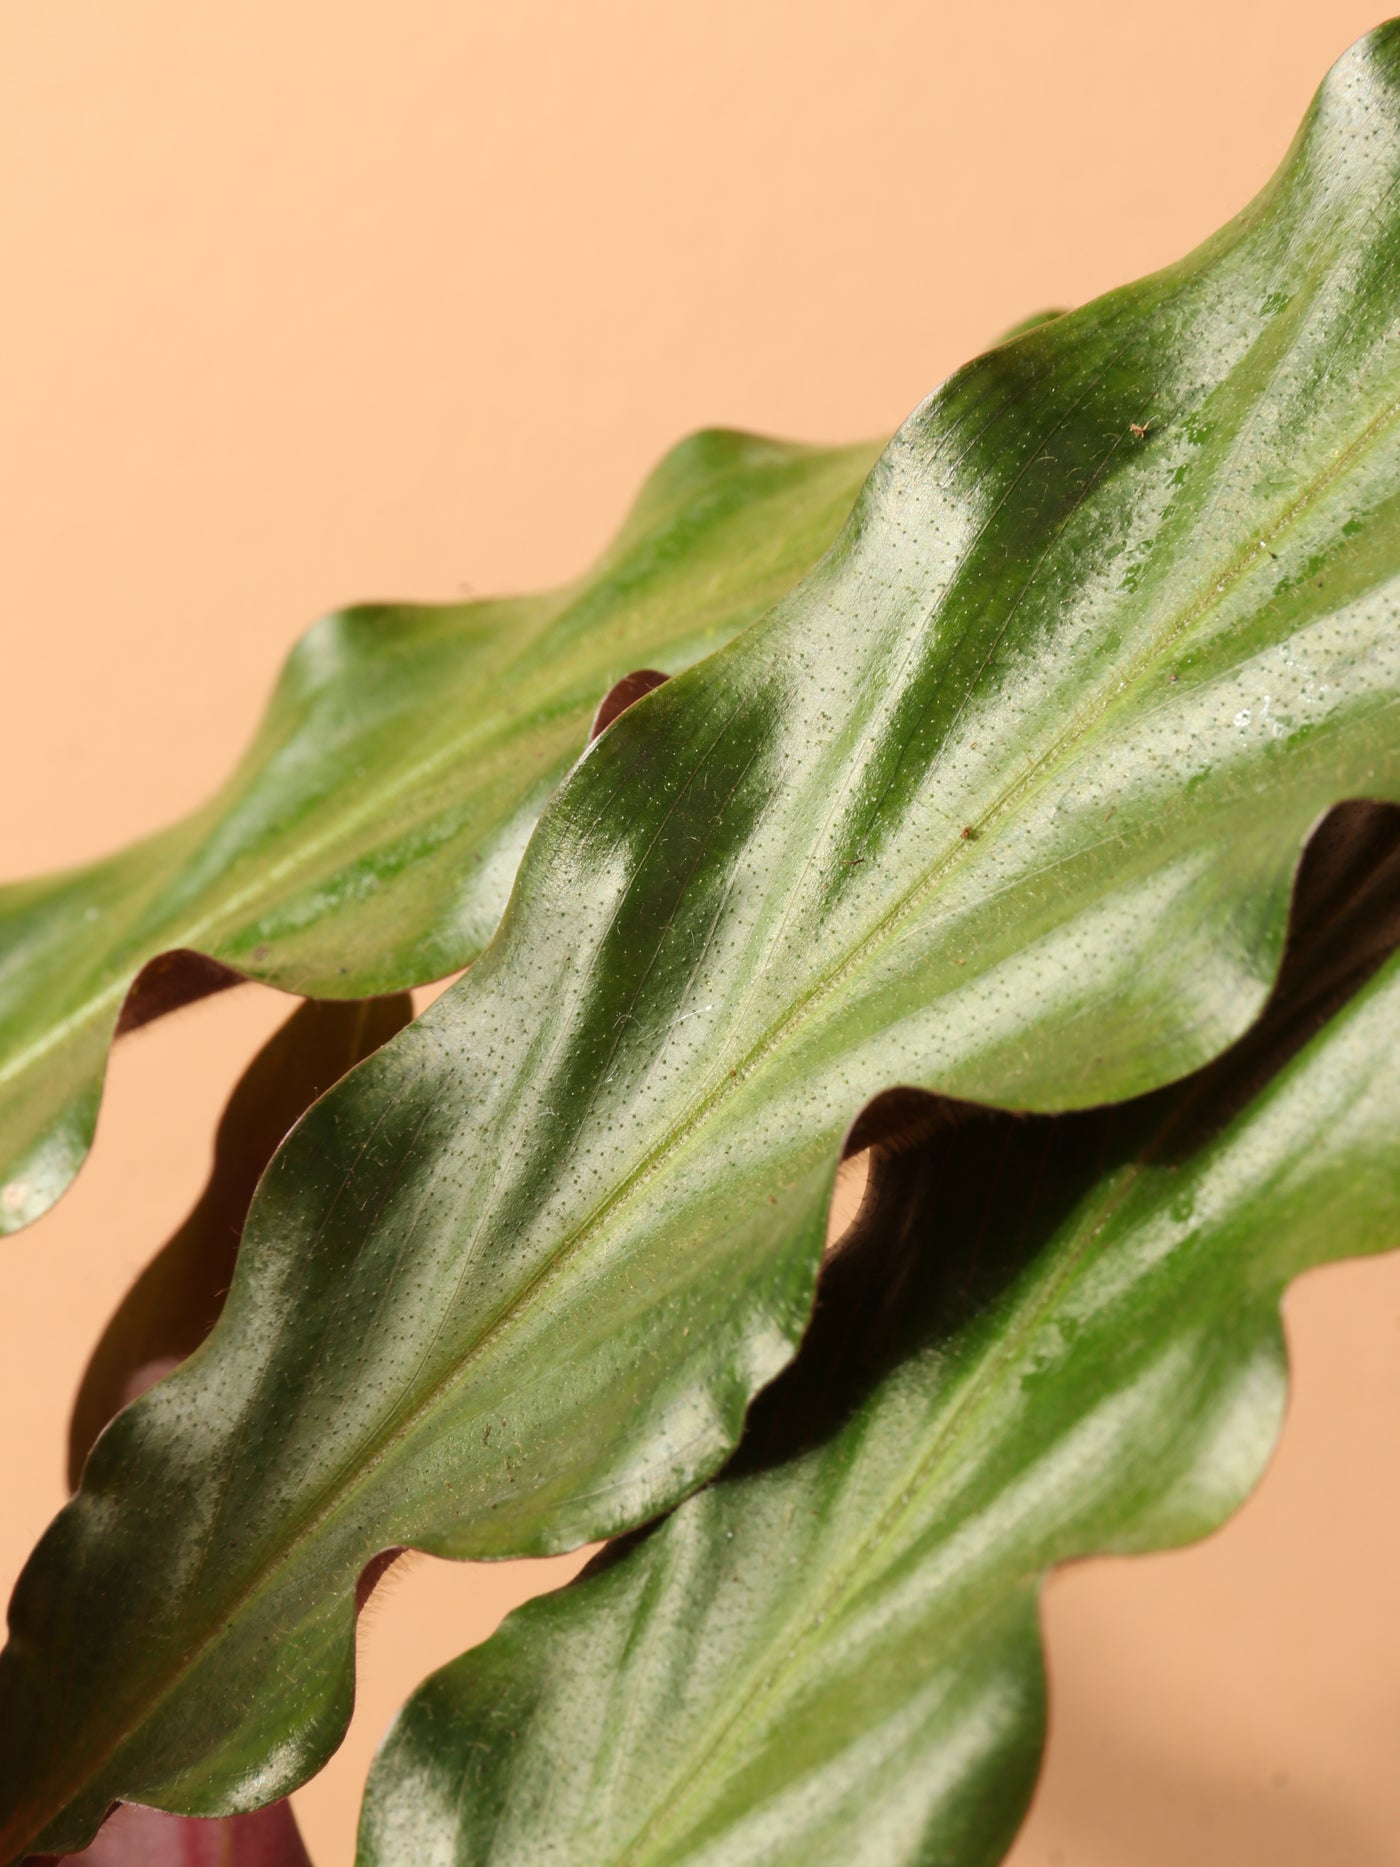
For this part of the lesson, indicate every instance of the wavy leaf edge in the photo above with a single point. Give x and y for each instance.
(148, 929)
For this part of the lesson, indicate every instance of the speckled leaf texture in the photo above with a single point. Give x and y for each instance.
(370, 837)
(1045, 1336)
(1003, 801)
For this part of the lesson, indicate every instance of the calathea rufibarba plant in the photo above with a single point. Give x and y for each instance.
(967, 834)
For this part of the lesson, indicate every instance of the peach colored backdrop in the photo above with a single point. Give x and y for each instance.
(306, 301)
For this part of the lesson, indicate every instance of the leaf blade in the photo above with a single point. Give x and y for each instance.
(368, 840)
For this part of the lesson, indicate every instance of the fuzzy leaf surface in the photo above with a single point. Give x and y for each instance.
(1003, 801)
(369, 839)
(1046, 1336)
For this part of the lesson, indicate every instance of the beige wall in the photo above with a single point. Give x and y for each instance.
(309, 301)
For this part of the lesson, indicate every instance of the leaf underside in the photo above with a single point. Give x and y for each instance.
(369, 838)
(1046, 1336)
(1004, 801)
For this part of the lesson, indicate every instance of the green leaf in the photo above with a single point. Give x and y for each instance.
(1045, 1336)
(369, 839)
(1003, 801)
(176, 1300)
